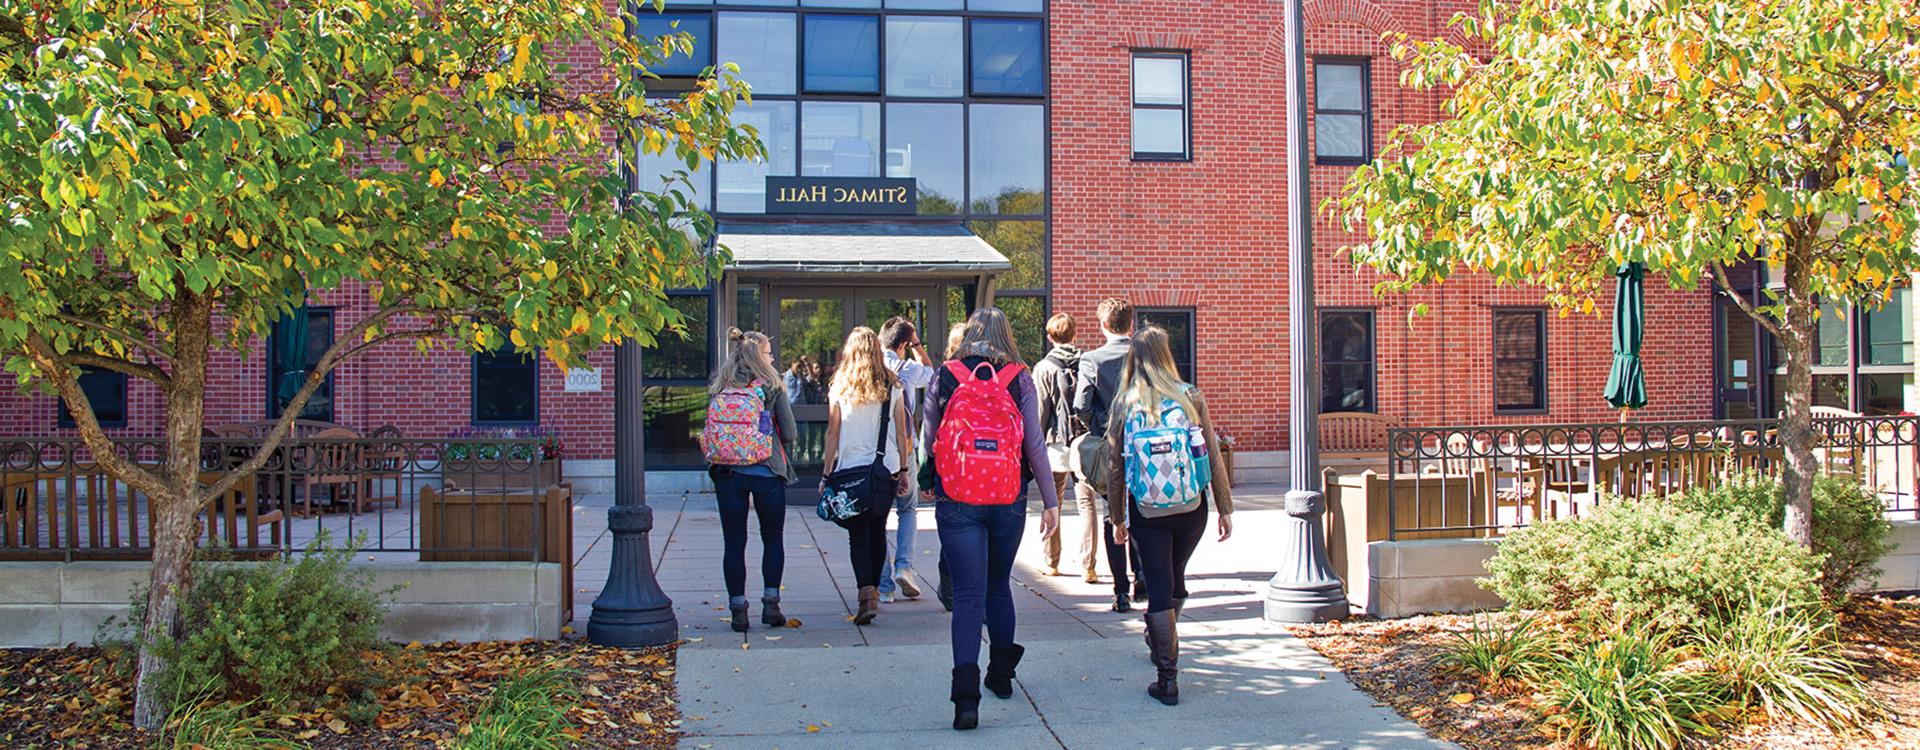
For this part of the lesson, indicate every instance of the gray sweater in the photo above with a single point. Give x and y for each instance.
(1033, 440)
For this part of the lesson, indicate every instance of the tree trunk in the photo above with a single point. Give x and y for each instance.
(1796, 425)
(176, 510)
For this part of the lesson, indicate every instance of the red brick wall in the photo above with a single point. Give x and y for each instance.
(1212, 233)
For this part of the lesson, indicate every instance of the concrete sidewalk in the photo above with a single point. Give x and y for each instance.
(830, 684)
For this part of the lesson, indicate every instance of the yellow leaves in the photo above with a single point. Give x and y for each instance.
(241, 239)
(1461, 699)
(551, 268)
(436, 179)
(1679, 56)
(1756, 204)
(581, 323)
(521, 53)
(1633, 171)
(517, 339)
(419, 154)
(419, 56)
(339, 148)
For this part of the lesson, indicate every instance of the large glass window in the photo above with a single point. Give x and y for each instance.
(1178, 323)
(1519, 360)
(674, 416)
(506, 387)
(1008, 57)
(652, 26)
(1006, 6)
(1007, 158)
(1025, 245)
(841, 3)
(106, 392)
(924, 142)
(1342, 121)
(926, 4)
(1160, 105)
(662, 172)
(840, 139)
(1346, 361)
(926, 56)
(743, 184)
(843, 54)
(676, 357)
(1028, 315)
(319, 339)
(1888, 331)
(763, 45)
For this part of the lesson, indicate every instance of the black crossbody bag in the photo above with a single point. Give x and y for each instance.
(849, 492)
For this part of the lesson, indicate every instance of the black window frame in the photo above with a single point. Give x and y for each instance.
(1539, 315)
(1372, 361)
(1185, 107)
(1365, 112)
(326, 386)
(65, 418)
(1189, 370)
(974, 20)
(531, 359)
(807, 89)
(703, 57)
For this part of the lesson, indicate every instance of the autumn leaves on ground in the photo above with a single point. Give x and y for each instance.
(436, 696)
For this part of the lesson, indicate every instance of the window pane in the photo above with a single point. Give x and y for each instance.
(1346, 337)
(676, 357)
(756, 2)
(1007, 166)
(842, 139)
(1516, 335)
(106, 392)
(924, 142)
(1885, 394)
(1346, 388)
(1179, 327)
(651, 26)
(1159, 80)
(319, 339)
(1833, 337)
(843, 54)
(1029, 318)
(1517, 385)
(1890, 330)
(1006, 6)
(743, 184)
(1338, 86)
(1519, 376)
(1025, 245)
(762, 44)
(506, 387)
(925, 56)
(926, 4)
(1346, 369)
(1007, 57)
(671, 428)
(840, 3)
(747, 310)
(658, 173)
(1340, 136)
(1160, 131)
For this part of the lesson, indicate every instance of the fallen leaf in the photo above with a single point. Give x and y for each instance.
(338, 726)
(811, 728)
(1462, 698)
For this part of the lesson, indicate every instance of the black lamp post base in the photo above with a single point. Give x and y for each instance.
(632, 611)
(1305, 589)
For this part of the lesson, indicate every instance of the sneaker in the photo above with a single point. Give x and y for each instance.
(886, 597)
(1050, 570)
(1092, 576)
(903, 578)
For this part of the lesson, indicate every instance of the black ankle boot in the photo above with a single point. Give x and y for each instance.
(1163, 645)
(739, 613)
(1000, 663)
(770, 614)
(966, 696)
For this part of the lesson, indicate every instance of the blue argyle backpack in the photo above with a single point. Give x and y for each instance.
(1168, 467)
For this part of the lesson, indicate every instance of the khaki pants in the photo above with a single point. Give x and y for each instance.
(1050, 544)
(1092, 508)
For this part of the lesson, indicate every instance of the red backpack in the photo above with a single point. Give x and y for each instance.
(978, 449)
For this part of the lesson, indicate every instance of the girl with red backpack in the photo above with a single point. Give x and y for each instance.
(748, 436)
(983, 420)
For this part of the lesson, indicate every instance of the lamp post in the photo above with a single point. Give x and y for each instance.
(631, 610)
(1305, 589)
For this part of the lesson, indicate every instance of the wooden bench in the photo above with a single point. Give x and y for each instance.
(1354, 441)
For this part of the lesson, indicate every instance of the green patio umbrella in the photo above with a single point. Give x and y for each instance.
(290, 353)
(1627, 383)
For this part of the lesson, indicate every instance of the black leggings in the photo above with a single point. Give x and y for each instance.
(867, 534)
(1166, 544)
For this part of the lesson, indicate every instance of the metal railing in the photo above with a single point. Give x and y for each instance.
(1485, 480)
(447, 499)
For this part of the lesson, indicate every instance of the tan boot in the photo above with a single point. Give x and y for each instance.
(869, 605)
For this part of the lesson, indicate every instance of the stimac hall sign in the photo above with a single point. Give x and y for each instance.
(889, 196)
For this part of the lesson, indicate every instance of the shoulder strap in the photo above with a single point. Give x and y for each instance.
(959, 370)
(886, 414)
(1005, 375)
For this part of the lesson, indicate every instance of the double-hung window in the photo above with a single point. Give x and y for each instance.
(1342, 112)
(506, 387)
(1178, 323)
(1519, 360)
(1160, 107)
(106, 392)
(1346, 361)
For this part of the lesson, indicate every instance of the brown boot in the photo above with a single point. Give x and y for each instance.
(869, 605)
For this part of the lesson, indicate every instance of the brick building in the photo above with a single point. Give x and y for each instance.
(929, 156)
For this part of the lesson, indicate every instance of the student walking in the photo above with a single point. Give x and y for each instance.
(867, 436)
(908, 361)
(1056, 378)
(984, 418)
(1160, 441)
(1099, 383)
(747, 440)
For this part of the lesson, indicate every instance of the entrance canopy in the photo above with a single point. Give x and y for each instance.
(891, 249)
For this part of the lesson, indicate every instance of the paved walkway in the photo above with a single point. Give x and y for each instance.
(831, 684)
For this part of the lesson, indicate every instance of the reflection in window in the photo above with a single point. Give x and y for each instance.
(506, 387)
(1519, 360)
(842, 139)
(1025, 245)
(925, 56)
(671, 430)
(1007, 158)
(319, 339)
(840, 3)
(1006, 6)
(1889, 330)
(1341, 122)
(923, 142)
(926, 4)
(662, 172)
(1178, 323)
(674, 357)
(1346, 361)
(1159, 105)
(1832, 343)
(1886, 393)
(843, 54)
(1008, 57)
(106, 392)
(743, 184)
(1029, 318)
(747, 307)
(762, 44)
(651, 26)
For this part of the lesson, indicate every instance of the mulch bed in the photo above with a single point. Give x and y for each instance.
(1396, 661)
(73, 698)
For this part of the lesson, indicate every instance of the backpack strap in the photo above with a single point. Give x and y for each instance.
(1005, 375)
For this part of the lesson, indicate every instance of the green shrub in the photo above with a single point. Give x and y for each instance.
(1849, 524)
(528, 712)
(1648, 561)
(1785, 660)
(1502, 658)
(1627, 691)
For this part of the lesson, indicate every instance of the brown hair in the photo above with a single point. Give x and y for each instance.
(744, 363)
(862, 376)
(1060, 328)
(1147, 378)
(1116, 315)
(989, 334)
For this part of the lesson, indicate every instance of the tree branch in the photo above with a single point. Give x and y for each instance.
(1719, 274)
(114, 333)
(41, 353)
(125, 367)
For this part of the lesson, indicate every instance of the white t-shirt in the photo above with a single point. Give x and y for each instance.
(859, 425)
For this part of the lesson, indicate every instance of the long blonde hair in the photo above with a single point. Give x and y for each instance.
(861, 376)
(1148, 377)
(746, 361)
(989, 335)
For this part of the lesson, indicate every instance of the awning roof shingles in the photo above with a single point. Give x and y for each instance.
(860, 248)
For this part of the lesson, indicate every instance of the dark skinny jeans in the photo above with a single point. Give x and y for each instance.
(867, 534)
(769, 501)
(977, 543)
(1166, 544)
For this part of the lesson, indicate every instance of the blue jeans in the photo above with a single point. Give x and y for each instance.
(978, 542)
(903, 537)
(731, 490)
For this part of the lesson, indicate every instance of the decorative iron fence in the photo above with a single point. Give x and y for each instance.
(1484, 480)
(459, 499)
